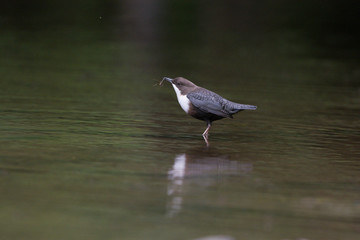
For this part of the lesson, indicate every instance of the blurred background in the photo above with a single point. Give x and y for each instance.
(91, 147)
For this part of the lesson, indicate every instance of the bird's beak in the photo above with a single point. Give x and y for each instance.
(168, 79)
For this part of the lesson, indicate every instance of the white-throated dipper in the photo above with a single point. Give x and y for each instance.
(203, 104)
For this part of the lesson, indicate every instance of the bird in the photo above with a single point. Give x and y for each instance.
(204, 104)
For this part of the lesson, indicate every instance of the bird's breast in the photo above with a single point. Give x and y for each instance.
(183, 100)
(184, 103)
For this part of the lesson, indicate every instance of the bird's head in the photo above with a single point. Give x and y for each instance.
(183, 85)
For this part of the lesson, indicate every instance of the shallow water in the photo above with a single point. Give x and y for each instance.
(90, 148)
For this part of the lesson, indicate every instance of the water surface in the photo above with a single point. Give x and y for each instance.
(90, 148)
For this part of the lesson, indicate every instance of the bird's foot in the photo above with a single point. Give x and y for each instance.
(206, 139)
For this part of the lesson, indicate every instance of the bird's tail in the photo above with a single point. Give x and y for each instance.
(245, 107)
(232, 107)
(237, 106)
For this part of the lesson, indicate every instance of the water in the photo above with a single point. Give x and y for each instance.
(90, 148)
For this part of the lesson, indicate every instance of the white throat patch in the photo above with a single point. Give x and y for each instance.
(182, 99)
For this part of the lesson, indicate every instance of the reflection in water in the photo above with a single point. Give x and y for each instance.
(197, 171)
(176, 176)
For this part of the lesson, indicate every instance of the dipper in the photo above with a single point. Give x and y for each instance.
(204, 104)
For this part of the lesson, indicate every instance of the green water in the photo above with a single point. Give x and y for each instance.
(91, 149)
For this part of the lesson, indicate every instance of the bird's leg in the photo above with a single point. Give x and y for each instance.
(206, 141)
(206, 133)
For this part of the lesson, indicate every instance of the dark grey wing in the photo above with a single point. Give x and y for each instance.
(208, 102)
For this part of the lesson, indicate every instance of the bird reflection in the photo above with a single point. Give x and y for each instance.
(176, 177)
(196, 171)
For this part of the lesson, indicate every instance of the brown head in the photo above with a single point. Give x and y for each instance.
(183, 85)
